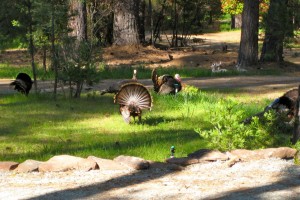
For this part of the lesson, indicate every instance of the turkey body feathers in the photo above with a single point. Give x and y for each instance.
(23, 83)
(287, 102)
(165, 84)
(133, 98)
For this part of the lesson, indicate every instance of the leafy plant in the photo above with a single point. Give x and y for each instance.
(229, 132)
(77, 65)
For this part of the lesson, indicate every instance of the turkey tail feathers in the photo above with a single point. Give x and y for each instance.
(133, 98)
(23, 83)
(20, 85)
(134, 95)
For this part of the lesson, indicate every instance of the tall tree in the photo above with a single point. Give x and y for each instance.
(125, 23)
(31, 45)
(78, 21)
(276, 27)
(140, 18)
(248, 51)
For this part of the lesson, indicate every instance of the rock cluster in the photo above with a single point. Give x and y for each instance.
(63, 163)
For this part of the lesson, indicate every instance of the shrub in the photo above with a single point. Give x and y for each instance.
(77, 65)
(229, 132)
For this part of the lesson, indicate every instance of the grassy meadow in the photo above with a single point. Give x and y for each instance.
(39, 127)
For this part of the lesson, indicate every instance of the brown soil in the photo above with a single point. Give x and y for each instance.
(200, 51)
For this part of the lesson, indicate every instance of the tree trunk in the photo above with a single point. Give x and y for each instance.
(275, 21)
(31, 45)
(296, 134)
(151, 23)
(175, 26)
(248, 52)
(140, 16)
(159, 22)
(78, 23)
(232, 17)
(109, 37)
(53, 52)
(45, 58)
(125, 23)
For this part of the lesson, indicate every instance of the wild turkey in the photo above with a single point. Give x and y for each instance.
(133, 98)
(23, 83)
(166, 84)
(114, 88)
(286, 103)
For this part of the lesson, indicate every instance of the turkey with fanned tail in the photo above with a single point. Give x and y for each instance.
(23, 83)
(166, 84)
(115, 87)
(133, 98)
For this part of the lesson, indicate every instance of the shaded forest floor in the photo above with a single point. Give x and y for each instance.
(199, 51)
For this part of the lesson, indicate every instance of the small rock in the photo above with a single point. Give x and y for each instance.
(66, 162)
(208, 155)
(133, 162)
(281, 152)
(164, 166)
(8, 165)
(245, 155)
(184, 161)
(106, 164)
(28, 166)
(248, 155)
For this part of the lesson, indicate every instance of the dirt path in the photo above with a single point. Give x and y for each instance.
(267, 86)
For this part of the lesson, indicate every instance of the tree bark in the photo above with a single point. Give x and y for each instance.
(53, 51)
(248, 51)
(78, 23)
(232, 24)
(125, 23)
(31, 45)
(151, 23)
(296, 134)
(275, 21)
(140, 15)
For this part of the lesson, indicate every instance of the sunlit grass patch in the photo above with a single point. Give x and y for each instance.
(38, 127)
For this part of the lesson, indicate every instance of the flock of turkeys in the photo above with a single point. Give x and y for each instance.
(133, 97)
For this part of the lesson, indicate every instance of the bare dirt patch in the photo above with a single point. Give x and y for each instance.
(199, 51)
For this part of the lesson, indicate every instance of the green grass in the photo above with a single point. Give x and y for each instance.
(10, 72)
(38, 127)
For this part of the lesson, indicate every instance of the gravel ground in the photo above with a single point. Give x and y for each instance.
(262, 179)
